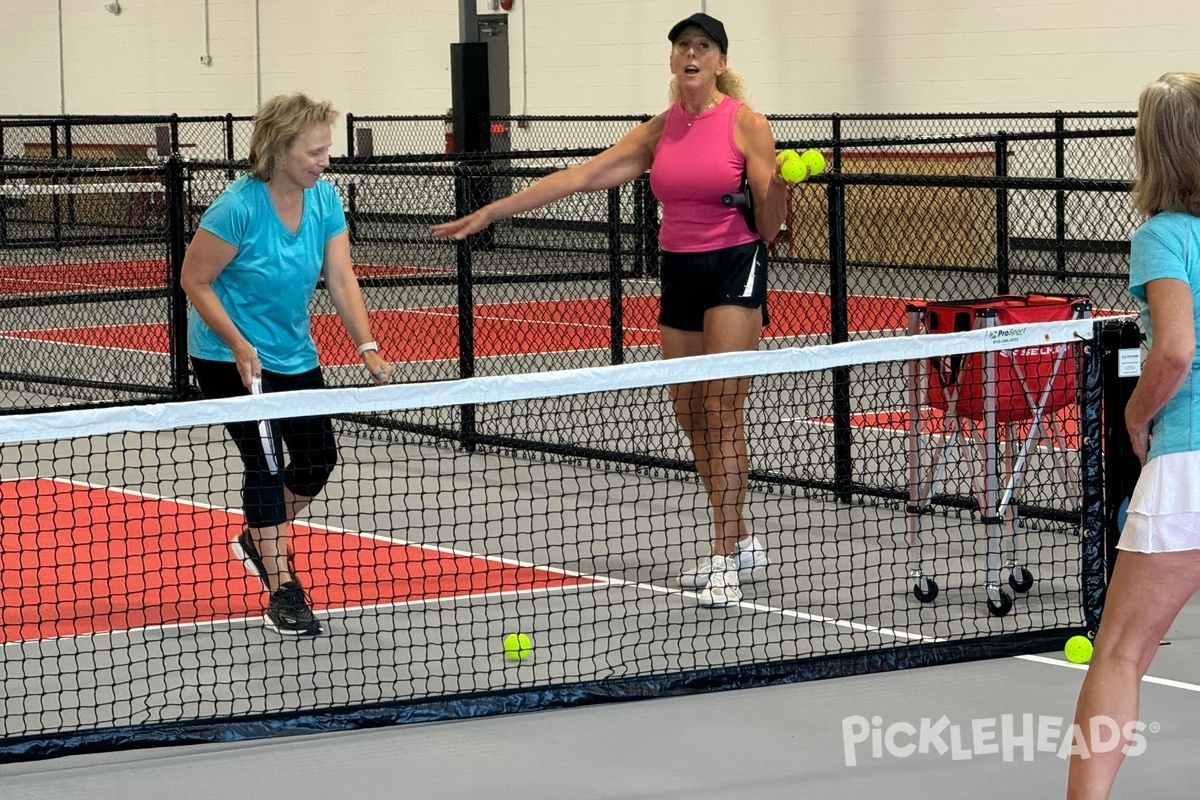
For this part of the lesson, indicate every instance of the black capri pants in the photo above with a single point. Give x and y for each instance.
(311, 448)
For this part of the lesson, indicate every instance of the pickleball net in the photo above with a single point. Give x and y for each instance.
(562, 505)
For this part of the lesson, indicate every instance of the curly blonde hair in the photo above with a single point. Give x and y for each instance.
(1166, 145)
(277, 124)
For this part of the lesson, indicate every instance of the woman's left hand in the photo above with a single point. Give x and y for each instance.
(380, 370)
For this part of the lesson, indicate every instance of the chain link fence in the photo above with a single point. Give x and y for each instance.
(124, 139)
(91, 312)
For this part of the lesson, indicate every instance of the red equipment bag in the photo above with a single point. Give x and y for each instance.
(1022, 376)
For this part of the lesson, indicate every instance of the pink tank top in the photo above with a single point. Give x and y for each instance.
(695, 163)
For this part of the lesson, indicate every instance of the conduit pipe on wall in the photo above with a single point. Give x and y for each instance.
(62, 73)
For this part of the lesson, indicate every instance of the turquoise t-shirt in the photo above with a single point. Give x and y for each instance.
(1168, 246)
(267, 287)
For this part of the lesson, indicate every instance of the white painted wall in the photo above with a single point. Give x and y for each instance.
(593, 56)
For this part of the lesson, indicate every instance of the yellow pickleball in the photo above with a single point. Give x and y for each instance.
(517, 646)
(813, 161)
(1078, 650)
(791, 167)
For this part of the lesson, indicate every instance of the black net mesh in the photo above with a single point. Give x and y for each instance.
(570, 507)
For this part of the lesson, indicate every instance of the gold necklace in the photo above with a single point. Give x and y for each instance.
(696, 116)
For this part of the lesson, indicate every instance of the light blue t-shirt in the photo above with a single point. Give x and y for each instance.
(267, 287)
(1168, 246)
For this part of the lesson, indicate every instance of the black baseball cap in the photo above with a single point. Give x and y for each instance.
(704, 22)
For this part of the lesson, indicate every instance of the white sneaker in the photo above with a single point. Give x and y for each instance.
(751, 556)
(721, 587)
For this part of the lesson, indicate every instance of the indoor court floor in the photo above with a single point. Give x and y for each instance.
(776, 742)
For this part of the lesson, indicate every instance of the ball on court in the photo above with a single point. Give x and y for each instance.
(813, 161)
(1078, 650)
(517, 646)
(791, 167)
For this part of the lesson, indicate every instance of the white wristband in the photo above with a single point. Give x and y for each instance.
(365, 346)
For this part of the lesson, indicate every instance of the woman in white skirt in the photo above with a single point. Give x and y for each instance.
(1158, 569)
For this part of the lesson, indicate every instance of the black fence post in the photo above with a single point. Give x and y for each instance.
(55, 200)
(649, 230)
(3, 204)
(174, 134)
(615, 317)
(466, 310)
(639, 249)
(1060, 198)
(836, 135)
(843, 467)
(177, 315)
(229, 174)
(350, 136)
(471, 117)
(1002, 253)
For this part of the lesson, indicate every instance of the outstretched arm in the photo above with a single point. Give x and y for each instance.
(621, 163)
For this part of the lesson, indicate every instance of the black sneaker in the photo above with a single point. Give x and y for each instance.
(246, 552)
(288, 612)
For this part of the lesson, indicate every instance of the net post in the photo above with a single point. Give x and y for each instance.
(1120, 466)
(177, 326)
(1093, 578)
(843, 469)
(616, 320)
(1002, 282)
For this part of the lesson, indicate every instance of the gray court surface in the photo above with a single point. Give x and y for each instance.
(775, 742)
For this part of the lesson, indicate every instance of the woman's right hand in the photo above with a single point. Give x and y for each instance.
(1139, 438)
(462, 227)
(248, 366)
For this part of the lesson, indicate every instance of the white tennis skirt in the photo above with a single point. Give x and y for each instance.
(1164, 512)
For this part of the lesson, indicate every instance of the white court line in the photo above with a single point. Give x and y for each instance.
(1191, 687)
(595, 582)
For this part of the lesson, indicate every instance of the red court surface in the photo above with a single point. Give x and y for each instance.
(40, 279)
(504, 329)
(78, 560)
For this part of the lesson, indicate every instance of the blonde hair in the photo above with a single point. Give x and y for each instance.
(1166, 145)
(277, 124)
(728, 82)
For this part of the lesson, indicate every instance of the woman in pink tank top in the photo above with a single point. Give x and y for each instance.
(714, 266)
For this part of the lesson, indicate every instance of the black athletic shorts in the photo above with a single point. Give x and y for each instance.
(692, 283)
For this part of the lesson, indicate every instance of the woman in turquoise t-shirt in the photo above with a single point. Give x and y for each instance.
(250, 273)
(1158, 568)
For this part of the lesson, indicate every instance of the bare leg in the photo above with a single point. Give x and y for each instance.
(1145, 595)
(712, 416)
(272, 541)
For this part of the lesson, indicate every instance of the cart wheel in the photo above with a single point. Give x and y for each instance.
(1021, 580)
(925, 589)
(998, 602)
